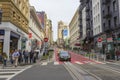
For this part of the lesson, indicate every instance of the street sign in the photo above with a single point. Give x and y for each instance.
(46, 39)
(99, 39)
(65, 32)
(99, 44)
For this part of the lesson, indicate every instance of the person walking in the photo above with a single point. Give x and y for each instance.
(31, 56)
(15, 57)
(26, 55)
(20, 57)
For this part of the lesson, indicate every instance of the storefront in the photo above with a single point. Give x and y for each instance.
(14, 37)
(1, 40)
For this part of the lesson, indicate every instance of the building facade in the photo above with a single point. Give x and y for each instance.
(102, 24)
(97, 23)
(61, 27)
(74, 31)
(110, 26)
(14, 26)
(36, 35)
(48, 31)
(86, 24)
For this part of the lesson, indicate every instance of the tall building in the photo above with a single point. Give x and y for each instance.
(48, 31)
(41, 15)
(104, 25)
(86, 24)
(97, 22)
(36, 32)
(110, 25)
(14, 26)
(74, 31)
(61, 27)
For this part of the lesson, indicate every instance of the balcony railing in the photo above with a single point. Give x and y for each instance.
(107, 15)
(87, 1)
(87, 18)
(105, 2)
(108, 29)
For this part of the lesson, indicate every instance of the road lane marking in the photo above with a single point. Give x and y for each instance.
(78, 62)
(18, 72)
(44, 63)
(56, 63)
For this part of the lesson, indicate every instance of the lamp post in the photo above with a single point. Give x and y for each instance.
(88, 41)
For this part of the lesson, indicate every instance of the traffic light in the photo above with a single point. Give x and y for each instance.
(0, 16)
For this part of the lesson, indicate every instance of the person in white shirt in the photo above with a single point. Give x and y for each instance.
(15, 57)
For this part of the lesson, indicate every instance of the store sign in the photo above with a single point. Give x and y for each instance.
(2, 32)
(30, 35)
(109, 40)
(99, 44)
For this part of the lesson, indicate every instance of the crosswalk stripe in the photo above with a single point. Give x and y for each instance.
(10, 72)
(44, 63)
(78, 62)
(56, 63)
(5, 76)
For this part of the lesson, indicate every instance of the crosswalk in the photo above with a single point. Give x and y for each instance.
(9, 72)
(75, 62)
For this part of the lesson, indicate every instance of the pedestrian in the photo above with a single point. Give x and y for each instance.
(31, 56)
(20, 57)
(117, 54)
(4, 57)
(15, 57)
(26, 56)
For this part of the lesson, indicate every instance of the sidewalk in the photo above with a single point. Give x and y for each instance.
(98, 58)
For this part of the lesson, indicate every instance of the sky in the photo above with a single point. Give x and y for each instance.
(56, 11)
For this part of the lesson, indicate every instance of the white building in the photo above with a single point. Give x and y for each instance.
(74, 31)
(84, 22)
(97, 24)
(35, 31)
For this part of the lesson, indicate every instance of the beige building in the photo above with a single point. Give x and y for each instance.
(36, 32)
(74, 31)
(61, 27)
(48, 30)
(14, 26)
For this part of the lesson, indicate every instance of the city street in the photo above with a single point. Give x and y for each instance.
(80, 68)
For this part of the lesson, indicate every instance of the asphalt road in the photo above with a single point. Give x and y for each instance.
(44, 72)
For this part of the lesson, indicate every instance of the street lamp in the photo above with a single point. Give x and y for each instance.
(88, 41)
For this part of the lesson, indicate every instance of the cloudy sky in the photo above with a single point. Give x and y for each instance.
(56, 10)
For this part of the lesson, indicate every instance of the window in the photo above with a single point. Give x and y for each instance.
(98, 6)
(108, 9)
(98, 18)
(115, 21)
(103, 12)
(109, 23)
(103, 25)
(99, 28)
(114, 6)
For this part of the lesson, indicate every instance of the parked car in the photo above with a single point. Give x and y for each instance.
(64, 56)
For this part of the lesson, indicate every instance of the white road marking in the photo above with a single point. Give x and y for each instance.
(44, 63)
(78, 62)
(18, 72)
(56, 63)
(5, 76)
